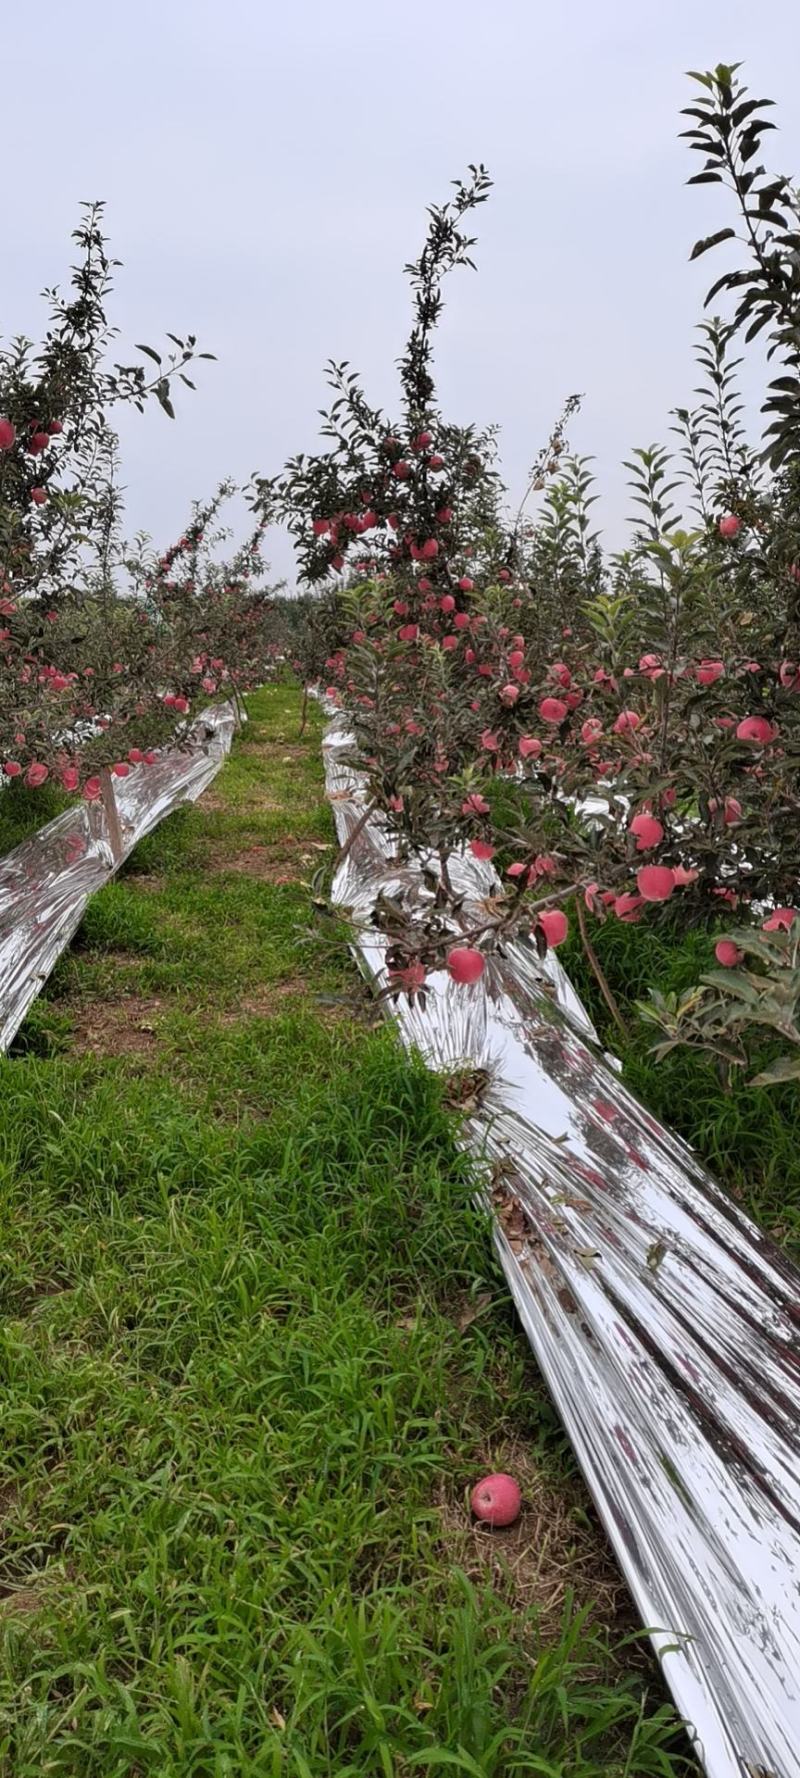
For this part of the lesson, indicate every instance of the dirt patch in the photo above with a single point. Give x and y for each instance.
(286, 752)
(282, 861)
(19, 1601)
(124, 1027)
(264, 1001)
(555, 1549)
(146, 880)
(271, 864)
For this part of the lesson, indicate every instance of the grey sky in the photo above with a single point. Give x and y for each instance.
(266, 170)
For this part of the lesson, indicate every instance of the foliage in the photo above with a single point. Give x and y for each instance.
(727, 130)
(645, 708)
(102, 653)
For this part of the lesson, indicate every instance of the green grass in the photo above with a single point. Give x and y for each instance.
(23, 811)
(237, 1378)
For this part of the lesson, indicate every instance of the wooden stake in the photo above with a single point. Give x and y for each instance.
(113, 823)
(594, 964)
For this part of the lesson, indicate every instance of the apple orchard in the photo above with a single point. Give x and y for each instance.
(618, 735)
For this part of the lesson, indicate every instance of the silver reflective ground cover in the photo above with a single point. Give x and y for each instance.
(46, 882)
(665, 1323)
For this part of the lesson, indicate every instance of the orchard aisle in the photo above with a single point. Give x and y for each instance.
(255, 1350)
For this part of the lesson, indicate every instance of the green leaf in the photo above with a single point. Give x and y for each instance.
(150, 353)
(783, 1068)
(461, 1761)
(740, 112)
(732, 982)
(162, 397)
(722, 234)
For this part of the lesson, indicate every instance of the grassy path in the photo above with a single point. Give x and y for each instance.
(254, 1350)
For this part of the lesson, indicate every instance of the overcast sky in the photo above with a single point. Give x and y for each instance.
(266, 170)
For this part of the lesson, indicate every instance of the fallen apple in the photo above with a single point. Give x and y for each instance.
(496, 1500)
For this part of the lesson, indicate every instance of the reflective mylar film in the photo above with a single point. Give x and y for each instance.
(665, 1323)
(46, 882)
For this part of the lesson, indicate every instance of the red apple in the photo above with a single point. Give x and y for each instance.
(554, 924)
(496, 1500)
(465, 964)
(655, 882)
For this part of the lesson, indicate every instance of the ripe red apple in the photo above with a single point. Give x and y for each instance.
(780, 920)
(402, 470)
(38, 442)
(465, 964)
(38, 496)
(628, 907)
(496, 1500)
(727, 953)
(730, 526)
(55, 428)
(648, 832)
(7, 435)
(552, 710)
(655, 882)
(709, 672)
(554, 924)
(756, 729)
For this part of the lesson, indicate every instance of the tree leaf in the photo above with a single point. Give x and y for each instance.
(162, 397)
(783, 1068)
(722, 234)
